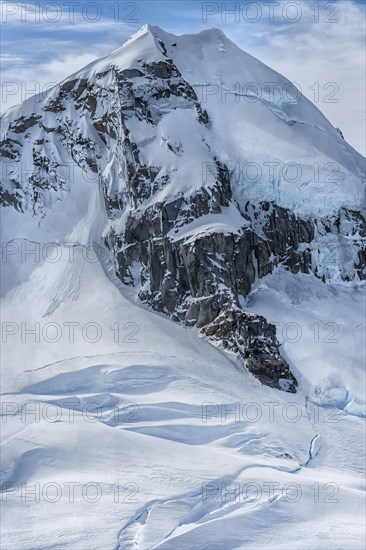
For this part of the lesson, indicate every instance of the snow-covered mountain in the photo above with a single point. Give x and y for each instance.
(180, 179)
(188, 232)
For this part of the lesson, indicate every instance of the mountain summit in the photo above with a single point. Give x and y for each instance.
(257, 116)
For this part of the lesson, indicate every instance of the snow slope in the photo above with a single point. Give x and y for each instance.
(157, 437)
(269, 121)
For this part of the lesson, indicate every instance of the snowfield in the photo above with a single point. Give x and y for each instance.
(156, 439)
(123, 430)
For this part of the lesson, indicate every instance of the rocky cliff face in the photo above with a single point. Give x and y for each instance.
(190, 249)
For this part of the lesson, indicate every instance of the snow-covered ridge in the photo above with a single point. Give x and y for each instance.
(257, 118)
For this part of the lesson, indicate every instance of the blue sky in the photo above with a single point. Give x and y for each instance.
(318, 45)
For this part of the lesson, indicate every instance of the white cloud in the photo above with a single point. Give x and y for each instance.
(24, 82)
(59, 17)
